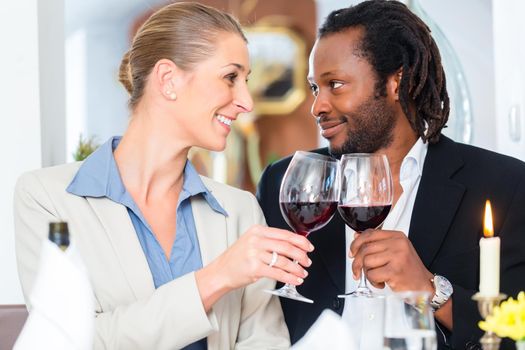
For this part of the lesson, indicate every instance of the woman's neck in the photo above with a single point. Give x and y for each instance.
(150, 161)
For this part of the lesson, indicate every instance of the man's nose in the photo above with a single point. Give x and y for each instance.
(320, 106)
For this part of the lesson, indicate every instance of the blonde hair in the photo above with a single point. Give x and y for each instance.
(184, 32)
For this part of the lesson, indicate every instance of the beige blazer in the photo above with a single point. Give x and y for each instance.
(130, 313)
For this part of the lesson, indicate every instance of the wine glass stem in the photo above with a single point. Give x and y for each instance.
(362, 281)
(291, 286)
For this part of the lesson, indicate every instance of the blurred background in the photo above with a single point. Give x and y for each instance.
(60, 92)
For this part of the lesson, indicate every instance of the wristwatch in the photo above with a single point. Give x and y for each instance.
(443, 291)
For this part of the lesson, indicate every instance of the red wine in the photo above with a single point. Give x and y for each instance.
(360, 217)
(305, 217)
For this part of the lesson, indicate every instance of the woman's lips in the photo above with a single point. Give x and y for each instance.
(331, 128)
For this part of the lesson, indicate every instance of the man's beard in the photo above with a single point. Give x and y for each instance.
(372, 130)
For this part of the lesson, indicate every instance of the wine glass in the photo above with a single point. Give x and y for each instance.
(366, 197)
(308, 199)
(409, 322)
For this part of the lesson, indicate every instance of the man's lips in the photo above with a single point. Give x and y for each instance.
(329, 128)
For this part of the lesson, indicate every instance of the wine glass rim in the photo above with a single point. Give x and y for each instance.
(350, 155)
(316, 156)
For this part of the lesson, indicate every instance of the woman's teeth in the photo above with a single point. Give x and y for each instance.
(224, 120)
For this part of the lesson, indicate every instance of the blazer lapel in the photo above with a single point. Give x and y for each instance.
(121, 233)
(211, 229)
(437, 199)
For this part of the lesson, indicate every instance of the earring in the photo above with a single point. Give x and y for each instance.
(171, 95)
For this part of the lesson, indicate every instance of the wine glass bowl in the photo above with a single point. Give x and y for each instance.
(366, 197)
(306, 217)
(308, 199)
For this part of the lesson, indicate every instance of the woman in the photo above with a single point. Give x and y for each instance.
(175, 260)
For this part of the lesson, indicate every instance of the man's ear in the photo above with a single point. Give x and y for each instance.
(166, 74)
(393, 84)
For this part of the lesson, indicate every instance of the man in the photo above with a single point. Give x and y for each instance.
(379, 87)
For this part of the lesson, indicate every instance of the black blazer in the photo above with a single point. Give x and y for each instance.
(445, 229)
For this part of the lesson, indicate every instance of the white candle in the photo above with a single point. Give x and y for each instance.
(489, 257)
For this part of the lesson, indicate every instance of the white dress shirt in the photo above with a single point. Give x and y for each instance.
(398, 219)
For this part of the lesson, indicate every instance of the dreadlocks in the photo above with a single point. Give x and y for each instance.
(396, 38)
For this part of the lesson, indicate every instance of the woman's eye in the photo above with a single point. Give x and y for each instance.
(335, 84)
(315, 89)
(231, 77)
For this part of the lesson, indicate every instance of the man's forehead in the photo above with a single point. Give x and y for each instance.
(334, 47)
(350, 39)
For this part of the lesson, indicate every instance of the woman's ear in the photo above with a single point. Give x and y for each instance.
(165, 73)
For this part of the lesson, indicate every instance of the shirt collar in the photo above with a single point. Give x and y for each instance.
(98, 176)
(193, 186)
(93, 178)
(414, 160)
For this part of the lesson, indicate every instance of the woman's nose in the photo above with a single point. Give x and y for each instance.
(243, 99)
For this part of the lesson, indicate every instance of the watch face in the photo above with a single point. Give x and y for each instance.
(443, 285)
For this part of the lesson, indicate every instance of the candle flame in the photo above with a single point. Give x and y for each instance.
(488, 230)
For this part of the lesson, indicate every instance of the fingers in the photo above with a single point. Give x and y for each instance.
(389, 257)
(282, 276)
(379, 285)
(284, 270)
(250, 257)
(283, 263)
(370, 256)
(285, 249)
(299, 241)
(376, 267)
(285, 243)
(370, 236)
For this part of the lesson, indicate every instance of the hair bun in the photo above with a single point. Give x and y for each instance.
(124, 74)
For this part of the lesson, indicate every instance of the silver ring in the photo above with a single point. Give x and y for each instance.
(274, 259)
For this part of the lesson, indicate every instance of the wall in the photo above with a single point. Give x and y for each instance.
(52, 80)
(93, 54)
(510, 76)
(468, 27)
(96, 38)
(20, 117)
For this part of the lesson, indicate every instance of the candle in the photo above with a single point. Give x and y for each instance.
(489, 247)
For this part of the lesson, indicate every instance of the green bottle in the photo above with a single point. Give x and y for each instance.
(59, 234)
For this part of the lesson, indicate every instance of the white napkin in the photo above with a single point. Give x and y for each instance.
(62, 314)
(328, 332)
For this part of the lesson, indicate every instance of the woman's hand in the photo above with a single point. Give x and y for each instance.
(248, 259)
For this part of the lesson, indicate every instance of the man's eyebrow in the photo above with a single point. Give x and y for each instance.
(327, 74)
(323, 75)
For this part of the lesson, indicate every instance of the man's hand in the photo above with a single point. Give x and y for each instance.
(389, 257)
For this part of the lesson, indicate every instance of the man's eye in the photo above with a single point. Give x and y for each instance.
(335, 84)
